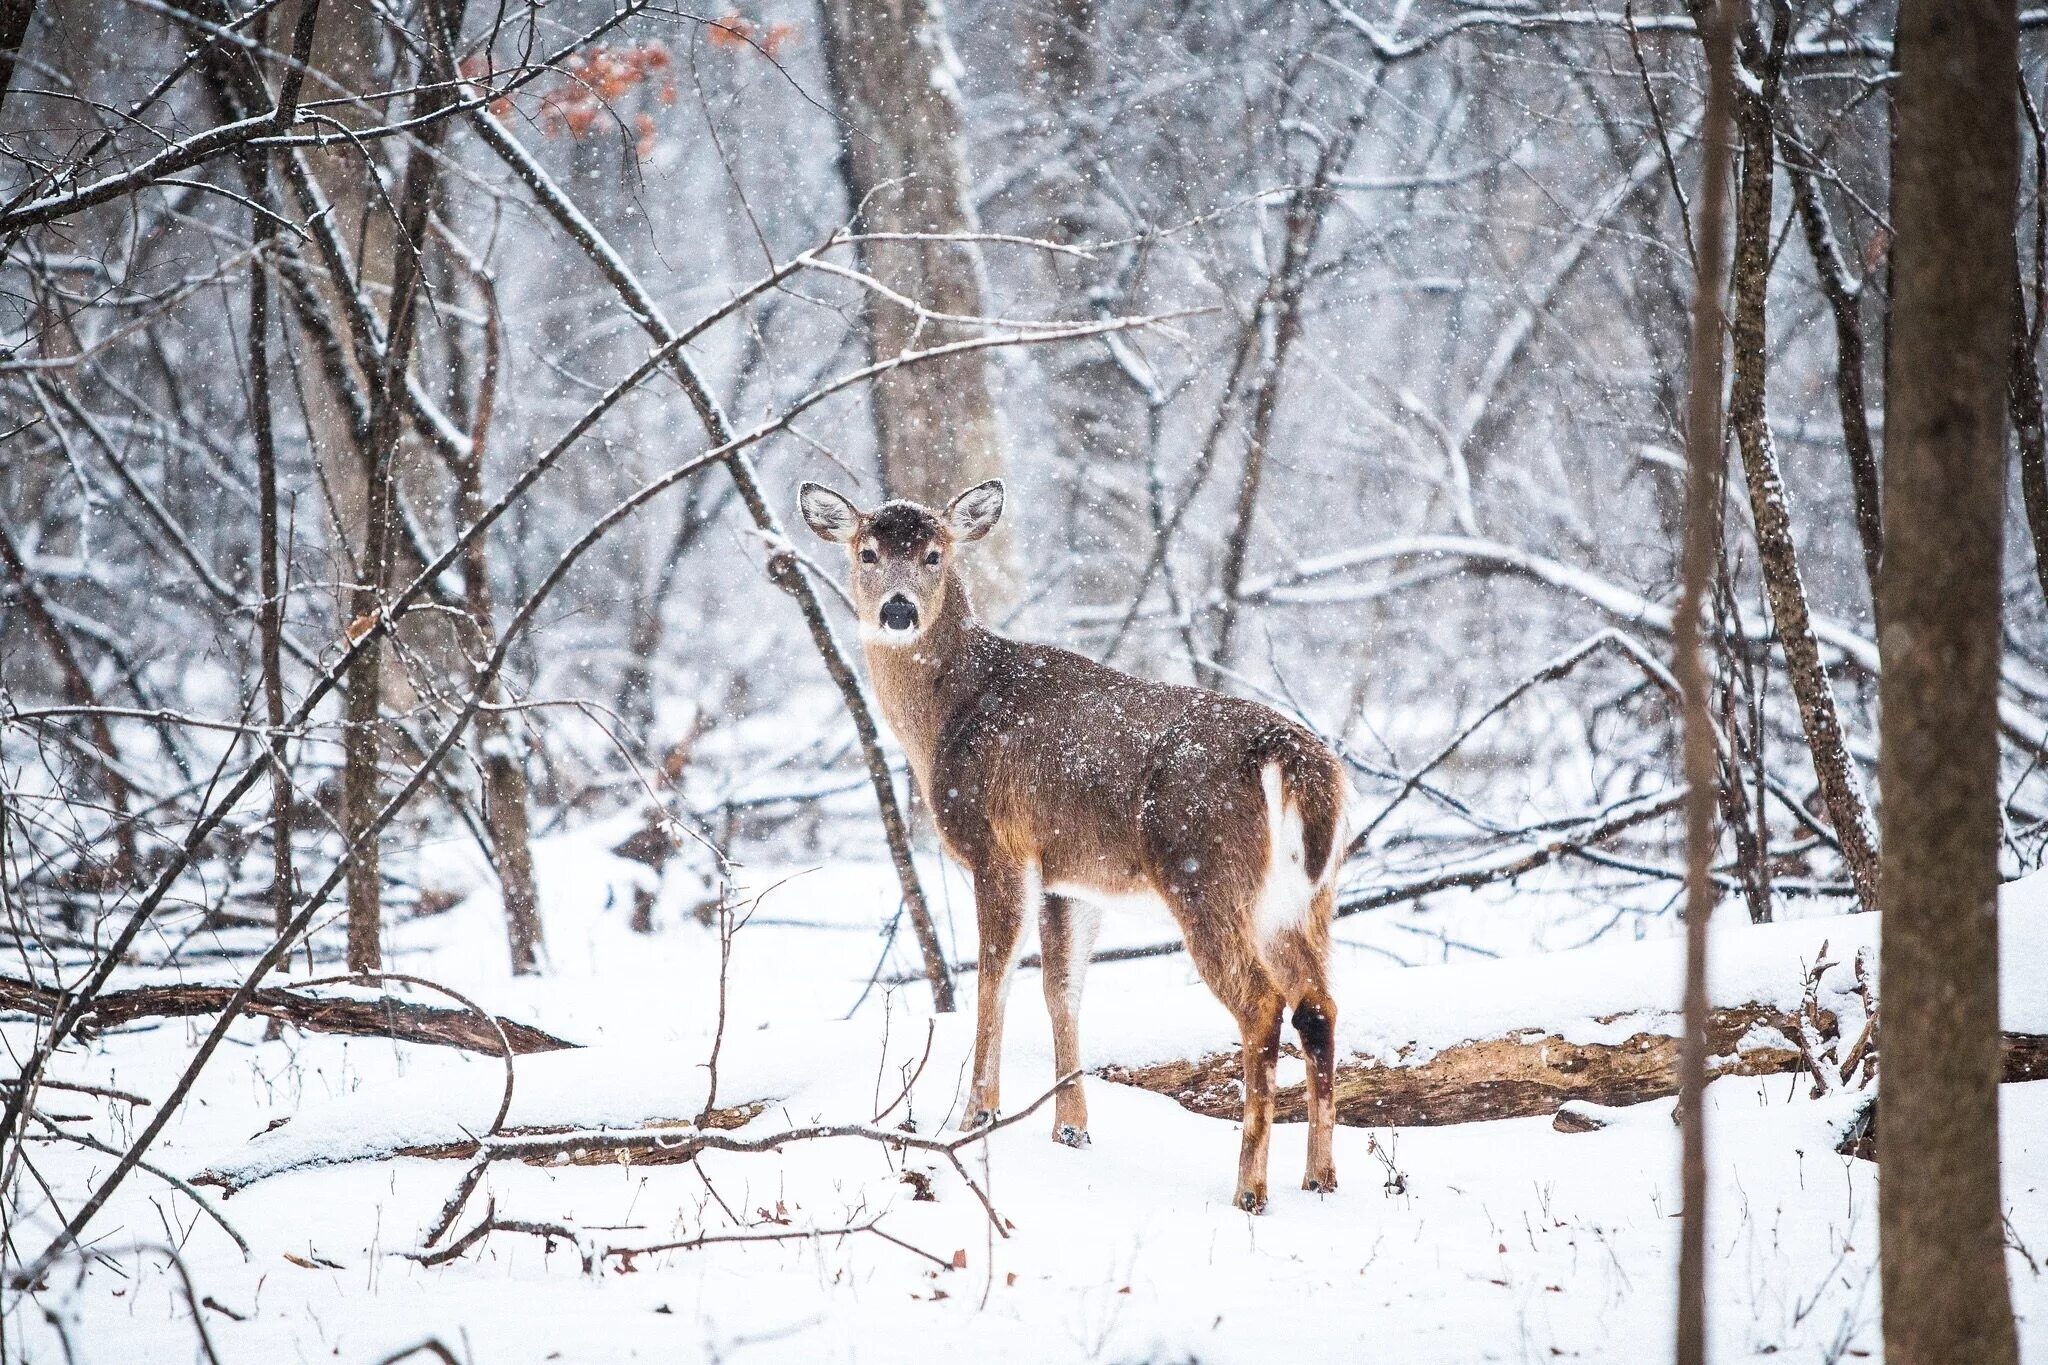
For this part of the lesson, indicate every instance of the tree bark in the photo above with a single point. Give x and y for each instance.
(2030, 428)
(1955, 195)
(270, 612)
(360, 779)
(15, 16)
(1704, 462)
(893, 75)
(1521, 1074)
(1777, 556)
(500, 742)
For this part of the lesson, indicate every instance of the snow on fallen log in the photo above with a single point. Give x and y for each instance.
(641, 1089)
(1520, 1037)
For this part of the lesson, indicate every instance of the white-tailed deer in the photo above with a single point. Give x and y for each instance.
(1067, 788)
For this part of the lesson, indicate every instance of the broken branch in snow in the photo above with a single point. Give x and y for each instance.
(678, 1145)
(405, 1021)
(593, 1253)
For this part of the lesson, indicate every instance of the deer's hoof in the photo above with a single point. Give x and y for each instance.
(1252, 1201)
(1071, 1136)
(1320, 1184)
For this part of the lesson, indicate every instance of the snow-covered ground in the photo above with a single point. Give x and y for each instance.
(1498, 1241)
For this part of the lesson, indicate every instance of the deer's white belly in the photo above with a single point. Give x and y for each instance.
(1147, 903)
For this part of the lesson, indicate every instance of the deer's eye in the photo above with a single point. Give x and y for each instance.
(867, 556)
(931, 557)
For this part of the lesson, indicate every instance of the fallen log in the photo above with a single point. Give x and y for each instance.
(382, 1016)
(1521, 1075)
(659, 1142)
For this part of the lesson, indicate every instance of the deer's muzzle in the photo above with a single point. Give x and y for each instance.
(899, 613)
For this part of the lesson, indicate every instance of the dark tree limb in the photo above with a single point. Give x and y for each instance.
(15, 16)
(402, 1020)
(2023, 386)
(1777, 553)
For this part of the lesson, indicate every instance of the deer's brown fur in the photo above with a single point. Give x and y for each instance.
(1065, 787)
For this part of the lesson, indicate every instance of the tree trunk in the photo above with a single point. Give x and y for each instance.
(361, 786)
(1704, 463)
(893, 77)
(2023, 395)
(1955, 192)
(15, 16)
(270, 614)
(500, 742)
(1778, 558)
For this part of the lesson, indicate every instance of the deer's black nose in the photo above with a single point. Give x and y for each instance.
(898, 613)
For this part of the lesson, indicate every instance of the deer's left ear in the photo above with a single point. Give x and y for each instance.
(975, 513)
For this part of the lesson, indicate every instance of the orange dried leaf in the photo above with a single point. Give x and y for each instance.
(730, 30)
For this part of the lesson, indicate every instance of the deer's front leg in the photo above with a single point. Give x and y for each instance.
(1001, 890)
(1066, 940)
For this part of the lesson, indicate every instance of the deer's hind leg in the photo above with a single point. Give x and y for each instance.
(1005, 892)
(1229, 961)
(1300, 955)
(1066, 939)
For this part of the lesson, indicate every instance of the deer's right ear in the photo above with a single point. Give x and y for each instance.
(827, 513)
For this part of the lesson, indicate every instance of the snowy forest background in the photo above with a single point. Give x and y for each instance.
(1333, 355)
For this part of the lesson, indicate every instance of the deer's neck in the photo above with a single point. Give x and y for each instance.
(920, 686)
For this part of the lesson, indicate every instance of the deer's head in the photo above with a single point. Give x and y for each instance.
(901, 553)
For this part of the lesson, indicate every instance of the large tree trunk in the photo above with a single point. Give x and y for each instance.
(1955, 189)
(1704, 463)
(1778, 558)
(893, 76)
